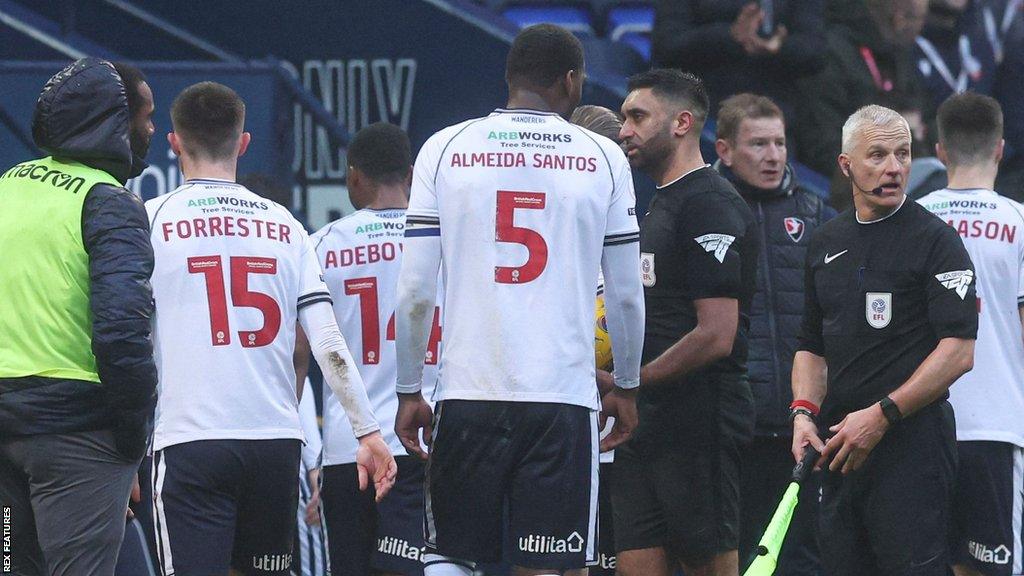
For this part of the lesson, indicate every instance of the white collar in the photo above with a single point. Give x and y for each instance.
(889, 215)
(683, 176)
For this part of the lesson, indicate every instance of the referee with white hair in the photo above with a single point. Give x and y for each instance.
(889, 323)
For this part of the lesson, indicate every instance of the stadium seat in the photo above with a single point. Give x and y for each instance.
(617, 58)
(640, 42)
(574, 18)
(624, 20)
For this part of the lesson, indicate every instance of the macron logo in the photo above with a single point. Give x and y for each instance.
(957, 281)
(716, 243)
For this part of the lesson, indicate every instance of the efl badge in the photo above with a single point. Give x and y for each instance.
(878, 309)
(957, 281)
(718, 244)
(647, 269)
(794, 227)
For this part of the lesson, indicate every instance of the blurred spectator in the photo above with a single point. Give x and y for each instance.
(740, 45)
(751, 146)
(976, 45)
(272, 189)
(869, 61)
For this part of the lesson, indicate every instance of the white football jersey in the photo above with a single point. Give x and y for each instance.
(989, 400)
(361, 255)
(523, 202)
(232, 269)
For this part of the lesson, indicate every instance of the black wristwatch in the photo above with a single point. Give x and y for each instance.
(890, 410)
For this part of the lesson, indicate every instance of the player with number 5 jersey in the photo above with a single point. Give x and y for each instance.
(520, 210)
(234, 272)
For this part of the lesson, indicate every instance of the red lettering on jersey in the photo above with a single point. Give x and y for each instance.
(259, 228)
(284, 233)
(271, 231)
(983, 229)
(167, 228)
(373, 253)
(216, 226)
(331, 259)
(243, 227)
(360, 255)
(200, 227)
(387, 251)
(229, 226)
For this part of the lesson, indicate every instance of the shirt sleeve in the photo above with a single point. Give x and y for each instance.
(312, 288)
(950, 287)
(417, 281)
(709, 239)
(811, 338)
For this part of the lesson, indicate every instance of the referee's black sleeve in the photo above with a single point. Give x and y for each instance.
(810, 338)
(711, 238)
(950, 286)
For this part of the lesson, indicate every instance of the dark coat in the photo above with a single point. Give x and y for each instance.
(82, 115)
(777, 307)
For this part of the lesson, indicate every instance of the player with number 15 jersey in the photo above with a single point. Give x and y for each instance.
(233, 274)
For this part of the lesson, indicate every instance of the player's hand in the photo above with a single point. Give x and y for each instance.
(413, 415)
(373, 458)
(854, 439)
(805, 433)
(605, 382)
(313, 506)
(136, 496)
(620, 404)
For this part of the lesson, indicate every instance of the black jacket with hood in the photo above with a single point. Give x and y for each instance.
(82, 114)
(787, 217)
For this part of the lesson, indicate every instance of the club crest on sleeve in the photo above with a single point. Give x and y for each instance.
(957, 280)
(794, 227)
(878, 309)
(647, 269)
(718, 244)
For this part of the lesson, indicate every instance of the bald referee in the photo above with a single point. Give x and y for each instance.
(890, 321)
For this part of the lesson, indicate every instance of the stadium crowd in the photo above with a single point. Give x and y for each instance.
(155, 358)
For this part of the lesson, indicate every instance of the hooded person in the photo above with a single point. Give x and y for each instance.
(77, 377)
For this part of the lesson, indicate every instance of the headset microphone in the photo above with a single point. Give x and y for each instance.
(877, 191)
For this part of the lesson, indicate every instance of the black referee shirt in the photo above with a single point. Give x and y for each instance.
(879, 297)
(698, 240)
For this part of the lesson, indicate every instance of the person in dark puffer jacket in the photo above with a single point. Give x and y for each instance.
(751, 146)
(77, 377)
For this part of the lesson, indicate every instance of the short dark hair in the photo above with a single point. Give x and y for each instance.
(382, 152)
(739, 107)
(209, 116)
(682, 87)
(598, 119)
(970, 127)
(131, 77)
(541, 54)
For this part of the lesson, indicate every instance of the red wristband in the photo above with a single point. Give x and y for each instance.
(807, 404)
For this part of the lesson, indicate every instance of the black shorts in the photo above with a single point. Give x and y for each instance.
(892, 515)
(684, 499)
(605, 565)
(537, 460)
(364, 535)
(221, 504)
(988, 510)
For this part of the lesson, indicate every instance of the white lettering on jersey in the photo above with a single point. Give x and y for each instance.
(717, 243)
(957, 281)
